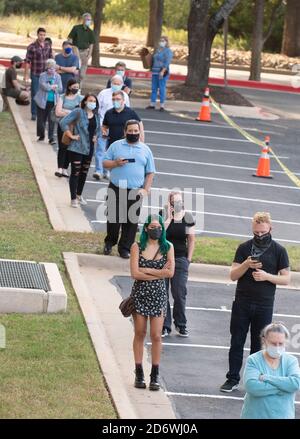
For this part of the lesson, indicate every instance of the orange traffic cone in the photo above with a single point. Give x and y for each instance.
(263, 167)
(204, 112)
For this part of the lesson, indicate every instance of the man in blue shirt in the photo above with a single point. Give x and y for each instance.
(68, 64)
(132, 168)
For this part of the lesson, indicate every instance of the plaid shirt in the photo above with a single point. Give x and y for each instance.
(37, 56)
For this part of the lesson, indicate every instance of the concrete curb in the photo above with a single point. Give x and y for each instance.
(59, 218)
(111, 336)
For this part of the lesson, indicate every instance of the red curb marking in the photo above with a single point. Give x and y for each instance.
(175, 77)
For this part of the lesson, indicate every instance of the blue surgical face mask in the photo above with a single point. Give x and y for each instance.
(115, 87)
(91, 105)
(120, 72)
(275, 351)
(68, 50)
(162, 43)
(88, 23)
(117, 104)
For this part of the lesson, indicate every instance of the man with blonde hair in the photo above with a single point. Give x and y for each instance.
(259, 265)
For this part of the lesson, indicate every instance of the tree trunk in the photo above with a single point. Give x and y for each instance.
(97, 30)
(257, 40)
(291, 33)
(156, 13)
(202, 30)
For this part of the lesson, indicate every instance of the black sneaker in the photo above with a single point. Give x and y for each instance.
(107, 249)
(182, 332)
(150, 107)
(41, 139)
(154, 383)
(52, 141)
(229, 386)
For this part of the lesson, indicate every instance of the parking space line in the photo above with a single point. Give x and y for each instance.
(204, 346)
(204, 395)
(198, 136)
(226, 215)
(193, 162)
(195, 308)
(225, 151)
(230, 197)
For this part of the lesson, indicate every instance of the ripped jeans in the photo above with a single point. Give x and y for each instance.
(80, 165)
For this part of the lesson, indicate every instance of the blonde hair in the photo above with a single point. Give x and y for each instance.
(262, 217)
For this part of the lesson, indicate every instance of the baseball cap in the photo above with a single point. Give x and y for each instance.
(16, 58)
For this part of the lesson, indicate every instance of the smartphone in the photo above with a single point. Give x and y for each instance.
(255, 258)
(129, 160)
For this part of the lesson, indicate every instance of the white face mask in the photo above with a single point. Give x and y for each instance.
(275, 351)
(162, 43)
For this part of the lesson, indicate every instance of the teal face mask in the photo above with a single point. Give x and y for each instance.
(115, 87)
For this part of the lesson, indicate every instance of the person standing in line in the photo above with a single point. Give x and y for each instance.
(271, 377)
(106, 103)
(151, 262)
(120, 69)
(12, 86)
(83, 37)
(81, 149)
(65, 104)
(160, 73)
(259, 265)
(67, 63)
(50, 87)
(37, 55)
(114, 124)
(132, 170)
(180, 230)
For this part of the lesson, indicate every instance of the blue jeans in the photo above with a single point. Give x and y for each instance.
(244, 314)
(34, 89)
(179, 292)
(161, 84)
(99, 154)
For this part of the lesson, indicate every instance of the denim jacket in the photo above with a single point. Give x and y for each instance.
(79, 116)
(161, 59)
(44, 87)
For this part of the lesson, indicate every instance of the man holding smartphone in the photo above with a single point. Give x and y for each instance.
(132, 168)
(259, 265)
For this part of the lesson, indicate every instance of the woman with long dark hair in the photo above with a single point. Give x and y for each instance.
(86, 131)
(151, 261)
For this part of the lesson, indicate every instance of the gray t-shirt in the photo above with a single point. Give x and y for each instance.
(70, 104)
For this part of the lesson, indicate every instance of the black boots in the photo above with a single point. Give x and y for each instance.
(139, 377)
(154, 384)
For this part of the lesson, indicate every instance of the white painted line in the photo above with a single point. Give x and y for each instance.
(229, 197)
(225, 151)
(194, 162)
(225, 215)
(204, 346)
(203, 395)
(224, 309)
(227, 180)
(198, 136)
(175, 122)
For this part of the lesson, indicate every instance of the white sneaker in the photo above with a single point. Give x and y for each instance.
(74, 203)
(97, 176)
(65, 173)
(105, 176)
(81, 200)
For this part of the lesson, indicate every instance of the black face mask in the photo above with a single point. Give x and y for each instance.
(154, 233)
(74, 91)
(18, 66)
(132, 138)
(177, 206)
(263, 240)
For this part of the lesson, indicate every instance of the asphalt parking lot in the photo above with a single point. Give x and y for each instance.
(216, 159)
(193, 368)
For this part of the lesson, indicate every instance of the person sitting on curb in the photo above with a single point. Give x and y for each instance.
(12, 86)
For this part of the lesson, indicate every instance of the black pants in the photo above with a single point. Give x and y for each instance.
(244, 314)
(179, 291)
(63, 159)
(123, 211)
(42, 117)
(80, 165)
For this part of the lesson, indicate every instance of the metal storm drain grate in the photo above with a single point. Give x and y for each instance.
(15, 274)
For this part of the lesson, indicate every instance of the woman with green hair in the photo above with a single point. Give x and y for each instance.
(151, 261)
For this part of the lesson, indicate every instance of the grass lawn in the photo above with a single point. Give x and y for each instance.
(49, 368)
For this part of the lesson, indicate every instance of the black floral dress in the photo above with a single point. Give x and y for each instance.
(150, 296)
